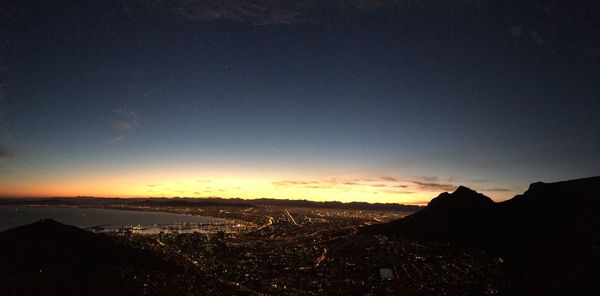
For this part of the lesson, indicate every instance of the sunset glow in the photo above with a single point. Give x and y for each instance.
(189, 184)
(380, 103)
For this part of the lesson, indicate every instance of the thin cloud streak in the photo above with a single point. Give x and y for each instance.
(352, 184)
(293, 183)
(496, 189)
(386, 178)
(370, 182)
(432, 186)
(428, 178)
(122, 126)
(398, 192)
(274, 12)
(118, 139)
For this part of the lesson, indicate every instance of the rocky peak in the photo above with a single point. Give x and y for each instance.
(462, 196)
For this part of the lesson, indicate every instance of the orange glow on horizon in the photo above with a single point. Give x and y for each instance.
(226, 183)
(246, 184)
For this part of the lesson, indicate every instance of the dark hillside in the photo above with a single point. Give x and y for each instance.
(549, 237)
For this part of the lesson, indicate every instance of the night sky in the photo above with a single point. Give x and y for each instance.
(378, 101)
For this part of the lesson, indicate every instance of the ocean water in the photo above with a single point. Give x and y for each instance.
(11, 217)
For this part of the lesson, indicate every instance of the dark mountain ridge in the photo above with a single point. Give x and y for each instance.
(568, 206)
(206, 202)
(549, 236)
(460, 215)
(185, 203)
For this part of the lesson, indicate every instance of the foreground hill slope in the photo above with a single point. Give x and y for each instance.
(50, 258)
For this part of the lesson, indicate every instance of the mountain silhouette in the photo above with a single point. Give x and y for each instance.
(549, 236)
(186, 203)
(460, 215)
(50, 258)
(568, 211)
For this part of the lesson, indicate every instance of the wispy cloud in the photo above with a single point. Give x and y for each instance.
(352, 183)
(118, 138)
(496, 189)
(294, 183)
(388, 185)
(4, 130)
(276, 12)
(387, 178)
(317, 187)
(533, 35)
(127, 121)
(433, 186)
(128, 115)
(122, 126)
(428, 178)
(390, 191)
(6, 152)
(5, 69)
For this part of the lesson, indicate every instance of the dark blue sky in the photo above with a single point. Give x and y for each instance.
(431, 94)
